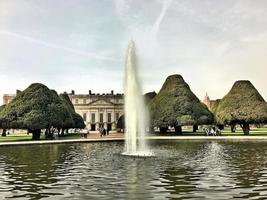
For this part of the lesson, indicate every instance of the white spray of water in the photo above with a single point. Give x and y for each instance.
(135, 110)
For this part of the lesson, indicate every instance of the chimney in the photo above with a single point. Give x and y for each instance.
(112, 92)
(90, 92)
(72, 92)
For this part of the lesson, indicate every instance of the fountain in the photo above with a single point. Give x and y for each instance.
(136, 120)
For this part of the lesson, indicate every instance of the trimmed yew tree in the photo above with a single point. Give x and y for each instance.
(35, 108)
(121, 122)
(176, 105)
(149, 96)
(76, 119)
(4, 130)
(243, 105)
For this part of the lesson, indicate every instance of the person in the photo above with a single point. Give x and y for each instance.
(213, 131)
(46, 133)
(56, 134)
(105, 132)
(100, 131)
(85, 132)
(206, 131)
(217, 130)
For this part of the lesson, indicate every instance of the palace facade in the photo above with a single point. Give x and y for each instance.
(99, 110)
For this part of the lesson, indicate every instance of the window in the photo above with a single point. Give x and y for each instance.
(76, 101)
(109, 117)
(84, 116)
(117, 116)
(84, 101)
(101, 118)
(93, 118)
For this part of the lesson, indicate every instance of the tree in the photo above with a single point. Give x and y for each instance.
(243, 105)
(149, 96)
(35, 108)
(214, 108)
(4, 130)
(121, 122)
(77, 120)
(176, 105)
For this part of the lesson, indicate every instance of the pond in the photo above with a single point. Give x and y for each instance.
(179, 170)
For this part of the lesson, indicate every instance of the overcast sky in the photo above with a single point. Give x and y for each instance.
(81, 44)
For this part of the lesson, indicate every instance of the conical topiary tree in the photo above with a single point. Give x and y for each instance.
(213, 109)
(77, 119)
(176, 105)
(4, 130)
(243, 105)
(35, 108)
(149, 96)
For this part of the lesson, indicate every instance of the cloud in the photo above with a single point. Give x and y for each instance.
(165, 5)
(55, 46)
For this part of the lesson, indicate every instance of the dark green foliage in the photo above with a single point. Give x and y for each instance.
(4, 130)
(149, 96)
(243, 105)
(214, 108)
(215, 105)
(176, 105)
(35, 108)
(77, 120)
(121, 122)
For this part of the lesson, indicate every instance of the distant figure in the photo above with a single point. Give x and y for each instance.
(56, 134)
(105, 132)
(46, 133)
(217, 130)
(212, 131)
(206, 131)
(85, 132)
(101, 130)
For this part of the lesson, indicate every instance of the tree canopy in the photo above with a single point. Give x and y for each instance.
(243, 105)
(35, 108)
(1, 120)
(176, 105)
(149, 96)
(77, 120)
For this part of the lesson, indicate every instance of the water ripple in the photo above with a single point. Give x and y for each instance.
(180, 170)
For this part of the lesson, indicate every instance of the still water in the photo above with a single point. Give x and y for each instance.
(179, 170)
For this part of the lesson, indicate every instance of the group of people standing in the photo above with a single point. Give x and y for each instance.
(103, 131)
(52, 133)
(212, 131)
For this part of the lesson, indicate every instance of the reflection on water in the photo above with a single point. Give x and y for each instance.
(180, 170)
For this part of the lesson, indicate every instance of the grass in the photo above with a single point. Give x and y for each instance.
(225, 132)
(19, 137)
(186, 132)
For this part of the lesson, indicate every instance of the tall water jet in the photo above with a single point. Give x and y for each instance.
(135, 109)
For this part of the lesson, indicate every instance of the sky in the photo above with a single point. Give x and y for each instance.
(81, 44)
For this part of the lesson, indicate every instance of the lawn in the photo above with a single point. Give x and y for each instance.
(225, 132)
(24, 137)
(186, 132)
